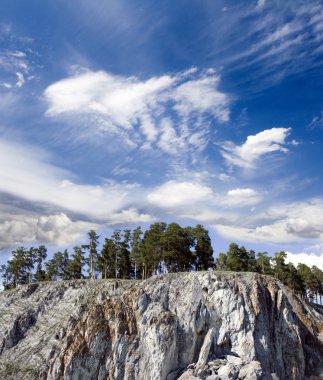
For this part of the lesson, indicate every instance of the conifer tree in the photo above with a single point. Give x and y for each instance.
(135, 254)
(76, 263)
(125, 264)
(203, 249)
(107, 261)
(93, 253)
(39, 255)
(116, 237)
(263, 263)
(152, 249)
(279, 266)
(237, 258)
(221, 262)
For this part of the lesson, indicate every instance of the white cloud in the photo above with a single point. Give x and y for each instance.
(317, 122)
(137, 110)
(15, 68)
(224, 177)
(256, 146)
(242, 197)
(20, 80)
(293, 222)
(261, 3)
(199, 95)
(56, 229)
(177, 194)
(208, 215)
(309, 259)
(26, 173)
(129, 216)
(273, 233)
(60, 230)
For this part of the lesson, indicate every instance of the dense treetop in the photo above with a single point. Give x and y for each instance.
(162, 248)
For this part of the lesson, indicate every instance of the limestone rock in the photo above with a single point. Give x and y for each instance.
(251, 371)
(233, 326)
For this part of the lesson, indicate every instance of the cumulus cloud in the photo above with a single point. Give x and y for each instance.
(158, 112)
(177, 194)
(293, 222)
(256, 146)
(309, 259)
(56, 229)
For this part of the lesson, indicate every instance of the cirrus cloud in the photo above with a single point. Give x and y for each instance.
(145, 113)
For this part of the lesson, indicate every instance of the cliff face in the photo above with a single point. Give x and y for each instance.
(189, 326)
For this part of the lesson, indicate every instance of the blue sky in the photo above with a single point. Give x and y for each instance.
(122, 113)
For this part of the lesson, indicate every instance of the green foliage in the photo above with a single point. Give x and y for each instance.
(107, 259)
(263, 263)
(135, 254)
(279, 266)
(237, 258)
(76, 263)
(58, 267)
(203, 249)
(176, 243)
(92, 259)
(221, 261)
(160, 249)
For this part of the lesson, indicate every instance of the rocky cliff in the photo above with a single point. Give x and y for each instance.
(178, 326)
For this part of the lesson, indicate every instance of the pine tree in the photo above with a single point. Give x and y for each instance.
(40, 255)
(237, 258)
(317, 282)
(93, 253)
(116, 237)
(280, 267)
(135, 254)
(263, 263)
(76, 263)
(252, 262)
(152, 249)
(106, 261)
(176, 243)
(221, 262)
(58, 267)
(294, 280)
(203, 249)
(19, 267)
(125, 263)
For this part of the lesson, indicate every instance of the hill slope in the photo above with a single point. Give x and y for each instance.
(187, 325)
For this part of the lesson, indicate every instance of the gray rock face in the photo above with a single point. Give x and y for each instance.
(233, 326)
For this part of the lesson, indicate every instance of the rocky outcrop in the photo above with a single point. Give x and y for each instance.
(206, 325)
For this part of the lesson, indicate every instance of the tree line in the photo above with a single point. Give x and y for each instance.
(304, 280)
(163, 248)
(126, 254)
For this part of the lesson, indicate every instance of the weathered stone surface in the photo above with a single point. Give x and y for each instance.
(251, 371)
(234, 326)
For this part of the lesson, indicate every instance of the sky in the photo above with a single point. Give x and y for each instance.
(123, 113)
